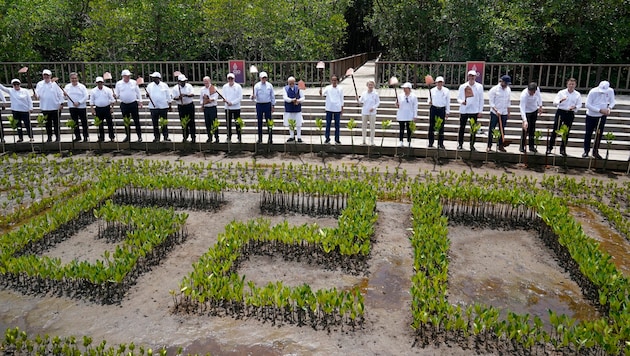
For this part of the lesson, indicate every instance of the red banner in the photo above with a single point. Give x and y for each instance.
(477, 67)
(237, 67)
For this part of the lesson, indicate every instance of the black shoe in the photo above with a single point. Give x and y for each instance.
(460, 147)
(291, 139)
(502, 149)
(521, 150)
(430, 145)
(184, 140)
(156, 140)
(57, 139)
(216, 140)
(299, 140)
(194, 140)
(166, 139)
(100, 139)
(533, 149)
(76, 140)
(139, 139)
(259, 141)
(20, 140)
(548, 152)
(563, 152)
(472, 148)
(327, 140)
(337, 142)
(597, 155)
(270, 142)
(126, 139)
(85, 139)
(441, 147)
(585, 154)
(209, 140)
(49, 140)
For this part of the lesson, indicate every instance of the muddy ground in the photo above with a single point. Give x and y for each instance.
(506, 269)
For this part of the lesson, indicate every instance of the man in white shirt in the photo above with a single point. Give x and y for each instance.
(208, 98)
(440, 101)
(265, 100)
(334, 107)
(530, 107)
(77, 96)
(499, 99)
(232, 96)
(128, 92)
(599, 103)
(160, 97)
(183, 94)
(102, 101)
(568, 101)
(370, 101)
(51, 102)
(470, 99)
(21, 107)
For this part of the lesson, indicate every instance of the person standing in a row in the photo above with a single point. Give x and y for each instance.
(369, 101)
(293, 98)
(159, 95)
(334, 107)
(128, 91)
(77, 96)
(208, 97)
(599, 103)
(440, 106)
(470, 98)
(232, 96)
(407, 105)
(51, 102)
(102, 101)
(499, 98)
(265, 100)
(21, 107)
(530, 107)
(183, 94)
(568, 101)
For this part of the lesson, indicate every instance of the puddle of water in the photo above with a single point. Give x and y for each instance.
(386, 287)
(611, 242)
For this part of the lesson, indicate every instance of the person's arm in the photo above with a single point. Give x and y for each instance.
(560, 97)
(611, 103)
(377, 102)
(302, 97)
(492, 100)
(238, 95)
(522, 106)
(5, 89)
(447, 94)
(273, 96)
(461, 95)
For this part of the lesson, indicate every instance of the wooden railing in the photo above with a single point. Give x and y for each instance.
(549, 76)
(278, 71)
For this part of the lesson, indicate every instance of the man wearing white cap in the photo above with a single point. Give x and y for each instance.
(530, 107)
(128, 92)
(51, 101)
(102, 102)
(440, 101)
(470, 98)
(183, 94)
(499, 99)
(599, 103)
(334, 107)
(160, 97)
(293, 98)
(232, 96)
(21, 107)
(208, 97)
(407, 105)
(77, 95)
(568, 101)
(265, 100)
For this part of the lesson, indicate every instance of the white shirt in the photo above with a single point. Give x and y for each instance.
(441, 98)
(370, 101)
(474, 105)
(499, 99)
(101, 97)
(206, 92)
(50, 95)
(159, 94)
(407, 107)
(574, 99)
(334, 98)
(597, 100)
(79, 95)
(529, 103)
(263, 93)
(180, 94)
(127, 92)
(233, 94)
(20, 99)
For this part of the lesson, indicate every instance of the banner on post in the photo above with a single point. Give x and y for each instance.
(477, 67)
(237, 67)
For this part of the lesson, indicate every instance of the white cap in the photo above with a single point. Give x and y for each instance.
(99, 80)
(472, 72)
(125, 72)
(603, 86)
(230, 75)
(15, 81)
(182, 78)
(439, 79)
(406, 85)
(156, 75)
(46, 72)
(263, 75)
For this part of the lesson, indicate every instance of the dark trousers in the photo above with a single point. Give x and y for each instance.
(435, 112)
(156, 114)
(232, 115)
(209, 115)
(23, 117)
(563, 117)
(594, 124)
(330, 115)
(463, 119)
(188, 110)
(80, 118)
(104, 113)
(494, 121)
(52, 123)
(404, 125)
(262, 110)
(131, 110)
(531, 130)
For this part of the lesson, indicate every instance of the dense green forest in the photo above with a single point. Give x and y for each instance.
(580, 31)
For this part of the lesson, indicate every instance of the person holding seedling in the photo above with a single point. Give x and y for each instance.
(530, 107)
(183, 94)
(334, 107)
(370, 101)
(568, 101)
(232, 96)
(407, 105)
(208, 97)
(440, 106)
(102, 101)
(470, 98)
(51, 102)
(265, 99)
(21, 108)
(160, 98)
(499, 99)
(599, 103)
(128, 91)
(293, 98)
(77, 95)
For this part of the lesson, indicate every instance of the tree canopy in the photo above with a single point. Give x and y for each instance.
(582, 31)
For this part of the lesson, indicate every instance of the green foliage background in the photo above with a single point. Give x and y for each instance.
(582, 31)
